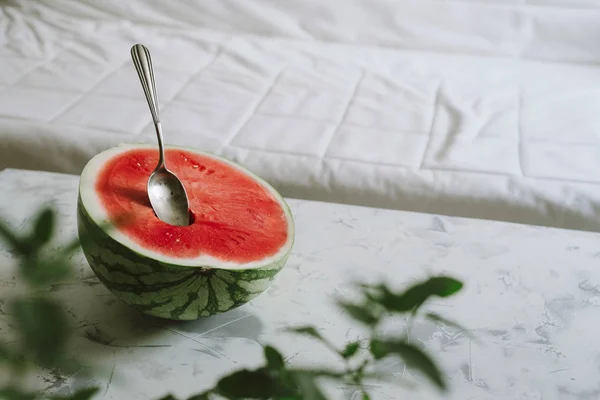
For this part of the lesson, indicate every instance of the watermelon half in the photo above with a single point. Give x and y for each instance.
(240, 238)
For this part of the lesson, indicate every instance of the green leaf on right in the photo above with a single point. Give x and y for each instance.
(200, 396)
(350, 350)
(44, 227)
(168, 397)
(412, 298)
(274, 358)
(443, 286)
(364, 313)
(306, 330)
(414, 358)
(253, 384)
(43, 328)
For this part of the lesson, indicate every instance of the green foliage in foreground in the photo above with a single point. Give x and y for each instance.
(42, 331)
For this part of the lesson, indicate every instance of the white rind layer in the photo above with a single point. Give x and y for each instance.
(98, 214)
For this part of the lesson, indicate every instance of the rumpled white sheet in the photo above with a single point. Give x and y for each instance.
(485, 109)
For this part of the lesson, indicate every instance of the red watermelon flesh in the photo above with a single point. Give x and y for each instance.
(235, 218)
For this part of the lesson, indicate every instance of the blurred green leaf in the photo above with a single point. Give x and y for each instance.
(307, 384)
(168, 397)
(274, 359)
(312, 331)
(320, 373)
(5, 355)
(11, 239)
(443, 286)
(82, 394)
(42, 272)
(442, 320)
(72, 246)
(201, 396)
(43, 328)
(10, 393)
(364, 314)
(306, 330)
(13, 359)
(365, 396)
(350, 349)
(414, 358)
(255, 384)
(415, 296)
(44, 227)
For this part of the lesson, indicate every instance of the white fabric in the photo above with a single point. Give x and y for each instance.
(486, 108)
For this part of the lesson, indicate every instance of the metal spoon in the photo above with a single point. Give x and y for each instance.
(166, 192)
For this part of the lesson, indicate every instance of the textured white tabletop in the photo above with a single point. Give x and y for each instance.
(532, 297)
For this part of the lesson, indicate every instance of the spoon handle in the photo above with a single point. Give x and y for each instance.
(143, 65)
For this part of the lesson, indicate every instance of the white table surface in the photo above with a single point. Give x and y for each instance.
(531, 296)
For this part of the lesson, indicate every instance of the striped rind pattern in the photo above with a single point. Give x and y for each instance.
(168, 290)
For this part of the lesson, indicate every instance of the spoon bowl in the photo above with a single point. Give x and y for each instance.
(168, 197)
(165, 191)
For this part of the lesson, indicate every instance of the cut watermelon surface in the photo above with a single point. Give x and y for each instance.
(241, 233)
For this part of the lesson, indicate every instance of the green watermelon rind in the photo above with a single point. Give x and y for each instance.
(169, 290)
